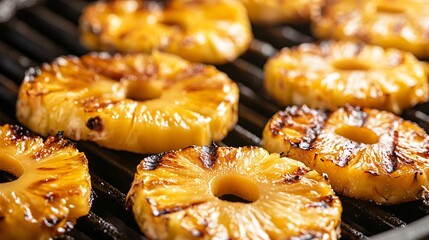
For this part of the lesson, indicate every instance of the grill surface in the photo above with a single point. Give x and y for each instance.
(43, 32)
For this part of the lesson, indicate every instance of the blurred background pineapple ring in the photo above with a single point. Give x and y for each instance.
(211, 31)
(276, 12)
(136, 102)
(368, 154)
(331, 74)
(401, 24)
(184, 195)
(52, 186)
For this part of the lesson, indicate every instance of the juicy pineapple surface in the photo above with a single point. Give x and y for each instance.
(175, 195)
(210, 31)
(139, 103)
(398, 24)
(368, 154)
(275, 12)
(52, 190)
(332, 74)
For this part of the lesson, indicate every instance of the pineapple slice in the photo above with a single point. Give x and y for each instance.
(274, 11)
(52, 188)
(398, 24)
(367, 154)
(332, 74)
(180, 195)
(139, 103)
(210, 31)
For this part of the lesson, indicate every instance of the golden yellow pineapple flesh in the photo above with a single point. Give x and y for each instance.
(398, 24)
(210, 31)
(368, 154)
(139, 103)
(52, 188)
(179, 195)
(332, 74)
(275, 12)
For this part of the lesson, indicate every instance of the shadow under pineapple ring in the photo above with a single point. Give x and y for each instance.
(136, 102)
(50, 187)
(181, 194)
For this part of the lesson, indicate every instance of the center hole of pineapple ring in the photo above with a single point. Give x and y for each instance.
(235, 188)
(350, 65)
(389, 8)
(358, 134)
(143, 90)
(10, 169)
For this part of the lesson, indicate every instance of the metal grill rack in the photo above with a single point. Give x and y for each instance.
(45, 31)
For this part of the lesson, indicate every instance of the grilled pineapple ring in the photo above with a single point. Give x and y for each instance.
(52, 190)
(211, 31)
(139, 103)
(368, 154)
(398, 24)
(274, 11)
(333, 74)
(178, 195)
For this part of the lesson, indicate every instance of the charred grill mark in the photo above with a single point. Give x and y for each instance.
(390, 158)
(159, 3)
(308, 236)
(151, 162)
(95, 123)
(46, 168)
(295, 176)
(209, 155)
(159, 212)
(316, 119)
(357, 117)
(53, 144)
(32, 73)
(50, 196)
(277, 125)
(111, 67)
(358, 48)
(190, 71)
(19, 133)
(52, 222)
(324, 202)
(372, 173)
(346, 154)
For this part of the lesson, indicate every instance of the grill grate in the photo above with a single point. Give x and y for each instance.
(40, 33)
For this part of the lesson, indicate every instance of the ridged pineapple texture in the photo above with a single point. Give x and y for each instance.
(52, 188)
(332, 74)
(400, 24)
(139, 103)
(178, 195)
(368, 154)
(210, 31)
